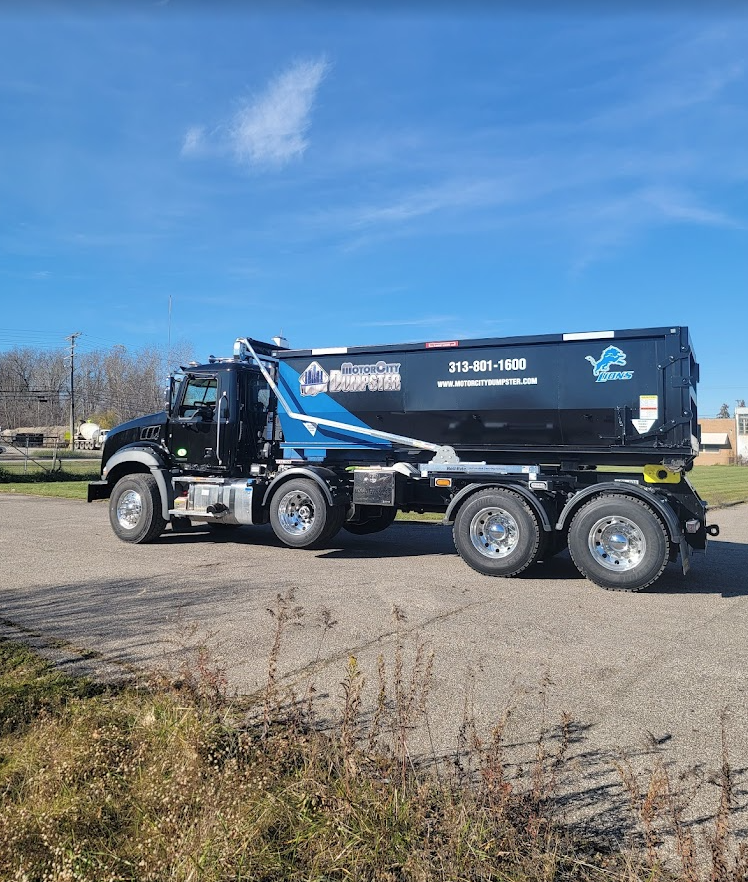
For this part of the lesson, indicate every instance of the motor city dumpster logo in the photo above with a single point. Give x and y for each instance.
(381, 376)
(601, 367)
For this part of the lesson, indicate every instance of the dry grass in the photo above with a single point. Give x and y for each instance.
(174, 781)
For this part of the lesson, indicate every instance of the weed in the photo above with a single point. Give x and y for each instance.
(173, 780)
(282, 614)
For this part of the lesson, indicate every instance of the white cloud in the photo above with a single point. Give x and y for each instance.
(270, 128)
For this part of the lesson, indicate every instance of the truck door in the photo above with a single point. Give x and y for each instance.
(254, 400)
(194, 427)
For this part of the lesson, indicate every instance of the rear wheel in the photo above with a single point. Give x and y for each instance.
(301, 517)
(496, 533)
(373, 524)
(135, 509)
(619, 543)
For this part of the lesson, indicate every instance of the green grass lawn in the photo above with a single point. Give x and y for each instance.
(64, 489)
(718, 485)
(721, 485)
(69, 467)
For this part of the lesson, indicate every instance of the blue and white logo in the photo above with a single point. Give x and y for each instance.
(601, 367)
(314, 380)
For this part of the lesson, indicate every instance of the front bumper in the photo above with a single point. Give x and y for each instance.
(99, 490)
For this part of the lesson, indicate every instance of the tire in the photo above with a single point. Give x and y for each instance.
(512, 544)
(374, 524)
(336, 516)
(619, 543)
(301, 517)
(135, 509)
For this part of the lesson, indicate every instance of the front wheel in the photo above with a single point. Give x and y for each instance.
(496, 533)
(301, 517)
(619, 543)
(135, 509)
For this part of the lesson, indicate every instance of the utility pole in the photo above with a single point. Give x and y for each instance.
(72, 338)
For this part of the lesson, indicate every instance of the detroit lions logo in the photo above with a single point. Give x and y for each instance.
(601, 367)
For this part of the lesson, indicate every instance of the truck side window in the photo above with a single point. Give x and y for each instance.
(199, 398)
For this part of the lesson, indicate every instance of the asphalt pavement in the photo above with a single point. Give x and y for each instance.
(644, 676)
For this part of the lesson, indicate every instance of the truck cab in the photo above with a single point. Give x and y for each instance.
(218, 419)
(197, 459)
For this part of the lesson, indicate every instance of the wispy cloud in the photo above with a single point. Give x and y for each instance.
(425, 321)
(269, 129)
(666, 98)
(194, 141)
(448, 195)
(606, 226)
(681, 207)
(656, 147)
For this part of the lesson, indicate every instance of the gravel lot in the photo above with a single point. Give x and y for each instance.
(647, 674)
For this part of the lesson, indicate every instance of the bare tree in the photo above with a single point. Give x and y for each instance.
(113, 384)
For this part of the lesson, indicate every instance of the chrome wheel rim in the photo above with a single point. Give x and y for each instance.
(296, 512)
(494, 532)
(129, 509)
(617, 543)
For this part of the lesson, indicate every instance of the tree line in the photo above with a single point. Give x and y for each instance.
(111, 385)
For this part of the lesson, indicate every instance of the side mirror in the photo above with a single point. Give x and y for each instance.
(169, 396)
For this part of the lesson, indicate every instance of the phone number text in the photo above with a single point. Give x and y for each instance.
(484, 366)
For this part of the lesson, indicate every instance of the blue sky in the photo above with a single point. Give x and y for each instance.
(374, 176)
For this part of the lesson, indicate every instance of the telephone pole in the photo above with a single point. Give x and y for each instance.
(72, 338)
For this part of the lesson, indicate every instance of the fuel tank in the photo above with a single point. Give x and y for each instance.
(624, 397)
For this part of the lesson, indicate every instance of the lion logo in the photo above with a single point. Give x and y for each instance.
(601, 367)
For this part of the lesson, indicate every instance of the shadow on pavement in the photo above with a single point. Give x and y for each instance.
(723, 570)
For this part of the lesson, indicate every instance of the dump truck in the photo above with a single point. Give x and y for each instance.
(525, 445)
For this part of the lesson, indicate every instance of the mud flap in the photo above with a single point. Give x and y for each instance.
(685, 556)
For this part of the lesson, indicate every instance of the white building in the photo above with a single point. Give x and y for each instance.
(741, 426)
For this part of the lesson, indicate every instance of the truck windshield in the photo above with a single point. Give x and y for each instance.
(199, 397)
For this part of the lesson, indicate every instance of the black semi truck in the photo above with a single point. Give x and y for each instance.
(518, 442)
